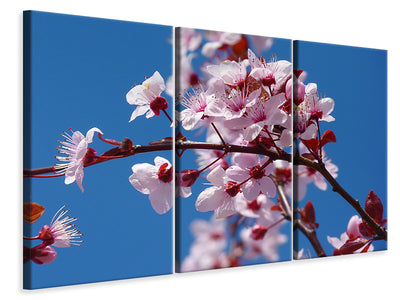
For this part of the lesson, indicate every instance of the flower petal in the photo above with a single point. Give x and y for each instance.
(161, 198)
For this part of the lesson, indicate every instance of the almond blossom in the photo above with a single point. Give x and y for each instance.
(155, 181)
(77, 152)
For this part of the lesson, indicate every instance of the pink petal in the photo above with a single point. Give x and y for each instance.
(161, 198)
(140, 110)
(210, 199)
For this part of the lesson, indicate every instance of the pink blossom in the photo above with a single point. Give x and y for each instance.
(268, 74)
(194, 112)
(207, 250)
(351, 234)
(147, 97)
(190, 39)
(247, 165)
(256, 208)
(267, 246)
(262, 113)
(320, 109)
(233, 105)
(219, 198)
(230, 72)
(61, 233)
(218, 40)
(261, 43)
(155, 181)
(75, 146)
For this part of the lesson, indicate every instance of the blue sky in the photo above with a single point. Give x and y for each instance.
(356, 78)
(281, 48)
(82, 69)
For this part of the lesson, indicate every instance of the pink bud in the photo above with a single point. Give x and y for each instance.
(42, 254)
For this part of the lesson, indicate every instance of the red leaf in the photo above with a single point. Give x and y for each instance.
(312, 145)
(307, 214)
(374, 207)
(328, 137)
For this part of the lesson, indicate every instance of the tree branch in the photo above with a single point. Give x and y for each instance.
(183, 145)
(336, 187)
(311, 235)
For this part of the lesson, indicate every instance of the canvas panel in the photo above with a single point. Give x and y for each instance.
(233, 116)
(341, 120)
(78, 76)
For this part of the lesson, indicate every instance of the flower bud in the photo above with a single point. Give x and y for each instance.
(188, 177)
(42, 254)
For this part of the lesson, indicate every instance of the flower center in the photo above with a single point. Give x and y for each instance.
(165, 173)
(257, 173)
(254, 205)
(232, 188)
(316, 115)
(268, 81)
(159, 103)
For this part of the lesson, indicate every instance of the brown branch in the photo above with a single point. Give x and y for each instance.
(336, 187)
(311, 235)
(167, 145)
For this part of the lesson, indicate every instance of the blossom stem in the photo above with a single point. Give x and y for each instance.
(209, 165)
(167, 115)
(31, 238)
(109, 141)
(319, 143)
(45, 176)
(219, 134)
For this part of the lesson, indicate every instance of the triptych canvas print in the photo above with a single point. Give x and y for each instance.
(150, 150)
